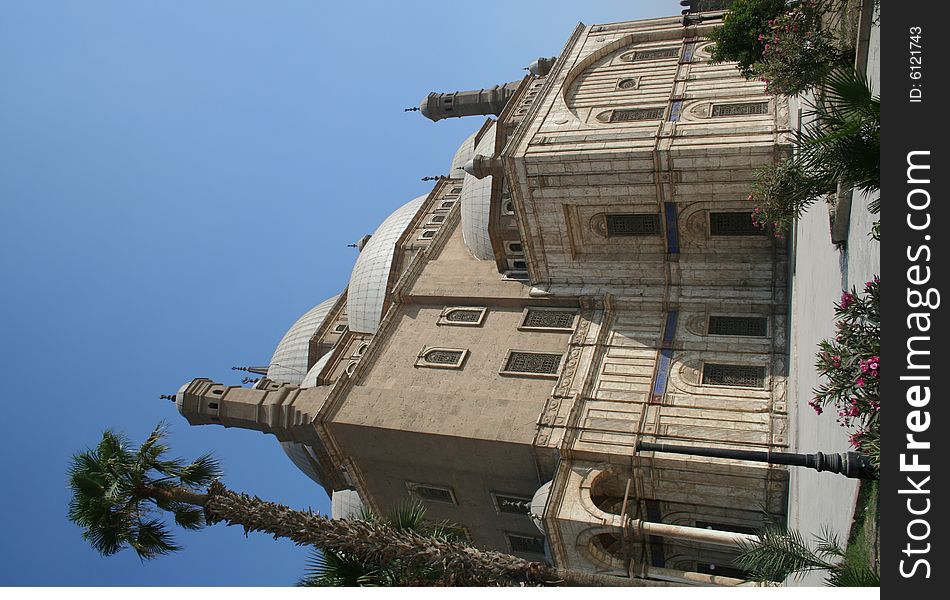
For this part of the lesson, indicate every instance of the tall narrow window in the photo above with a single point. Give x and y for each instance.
(633, 224)
(446, 358)
(540, 318)
(733, 223)
(747, 326)
(525, 544)
(433, 493)
(533, 363)
(734, 375)
(651, 54)
(516, 505)
(461, 315)
(637, 114)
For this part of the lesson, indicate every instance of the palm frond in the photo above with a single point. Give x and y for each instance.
(201, 472)
(115, 493)
(777, 553)
(854, 576)
(152, 539)
(407, 516)
(190, 518)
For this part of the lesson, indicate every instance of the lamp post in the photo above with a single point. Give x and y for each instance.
(850, 464)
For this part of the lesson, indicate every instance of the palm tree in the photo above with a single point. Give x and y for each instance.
(117, 491)
(332, 569)
(780, 552)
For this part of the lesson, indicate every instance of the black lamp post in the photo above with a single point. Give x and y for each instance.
(849, 464)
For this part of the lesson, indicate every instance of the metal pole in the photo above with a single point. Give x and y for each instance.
(850, 464)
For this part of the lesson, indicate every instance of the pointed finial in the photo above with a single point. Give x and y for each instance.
(413, 109)
(257, 370)
(168, 397)
(247, 380)
(352, 246)
(436, 178)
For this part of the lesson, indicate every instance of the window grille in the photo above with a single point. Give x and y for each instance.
(341, 327)
(748, 326)
(533, 362)
(464, 316)
(637, 114)
(550, 319)
(527, 544)
(735, 223)
(437, 494)
(448, 204)
(443, 357)
(515, 505)
(428, 234)
(456, 190)
(740, 109)
(437, 218)
(515, 248)
(652, 54)
(631, 224)
(629, 83)
(734, 375)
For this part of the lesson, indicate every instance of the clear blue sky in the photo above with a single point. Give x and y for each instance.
(178, 183)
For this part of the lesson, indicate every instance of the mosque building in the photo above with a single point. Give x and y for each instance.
(586, 277)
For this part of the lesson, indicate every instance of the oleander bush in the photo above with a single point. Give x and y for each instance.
(798, 52)
(740, 38)
(851, 366)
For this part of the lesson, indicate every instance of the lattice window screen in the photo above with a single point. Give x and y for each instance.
(734, 375)
(463, 316)
(637, 114)
(523, 543)
(444, 357)
(533, 362)
(749, 326)
(653, 54)
(740, 109)
(631, 224)
(738, 223)
(554, 319)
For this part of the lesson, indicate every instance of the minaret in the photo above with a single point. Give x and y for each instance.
(490, 101)
(486, 101)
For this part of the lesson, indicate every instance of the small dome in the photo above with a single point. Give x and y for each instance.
(289, 362)
(311, 379)
(476, 204)
(366, 293)
(303, 457)
(538, 502)
(464, 154)
(346, 504)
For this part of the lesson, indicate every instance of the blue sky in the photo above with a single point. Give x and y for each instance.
(178, 184)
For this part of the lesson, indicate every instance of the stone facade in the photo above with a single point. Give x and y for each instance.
(589, 278)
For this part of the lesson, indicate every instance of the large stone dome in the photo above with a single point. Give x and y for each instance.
(366, 293)
(289, 362)
(476, 203)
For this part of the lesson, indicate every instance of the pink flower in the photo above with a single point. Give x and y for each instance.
(855, 439)
(860, 382)
(836, 360)
(761, 37)
(847, 299)
(817, 407)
